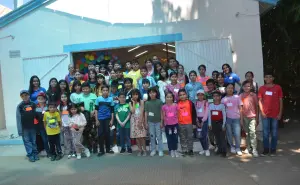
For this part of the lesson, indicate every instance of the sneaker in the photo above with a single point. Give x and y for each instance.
(31, 159)
(73, 155)
(191, 153)
(246, 151)
(232, 150)
(207, 153)
(59, 157)
(266, 152)
(160, 153)
(239, 153)
(36, 158)
(110, 152)
(172, 153)
(273, 153)
(129, 150)
(100, 154)
(78, 156)
(122, 151)
(144, 153)
(211, 147)
(255, 153)
(70, 155)
(202, 152)
(53, 158)
(176, 154)
(153, 153)
(87, 152)
(139, 154)
(216, 149)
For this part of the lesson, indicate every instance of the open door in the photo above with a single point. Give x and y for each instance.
(2, 115)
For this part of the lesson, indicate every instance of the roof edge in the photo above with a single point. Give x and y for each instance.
(272, 2)
(21, 11)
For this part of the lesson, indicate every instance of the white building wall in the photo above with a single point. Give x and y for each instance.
(44, 32)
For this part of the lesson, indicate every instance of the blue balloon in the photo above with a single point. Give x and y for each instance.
(83, 60)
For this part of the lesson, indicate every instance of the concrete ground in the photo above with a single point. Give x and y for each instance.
(132, 170)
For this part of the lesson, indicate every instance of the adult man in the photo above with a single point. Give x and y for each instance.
(70, 77)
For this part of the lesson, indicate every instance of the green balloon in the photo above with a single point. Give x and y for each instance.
(81, 67)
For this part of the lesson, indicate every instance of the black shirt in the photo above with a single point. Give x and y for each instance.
(27, 111)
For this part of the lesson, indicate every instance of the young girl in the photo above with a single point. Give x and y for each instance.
(250, 117)
(234, 119)
(64, 114)
(100, 82)
(35, 88)
(254, 85)
(186, 120)
(157, 67)
(105, 73)
(153, 121)
(63, 87)
(110, 66)
(149, 66)
(183, 79)
(162, 83)
(170, 121)
(97, 69)
(53, 91)
(221, 84)
(76, 92)
(173, 86)
(202, 78)
(137, 127)
(77, 123)
(202, 113)
(128, 88)
(92, 80)
(113, 76)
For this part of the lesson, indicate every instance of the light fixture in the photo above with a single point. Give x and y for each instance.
(170, 51)
(133, 48)
(141, 53)
(169, 45)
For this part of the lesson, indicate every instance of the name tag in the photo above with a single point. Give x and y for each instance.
(229, 104)
(222, 89)
(65, 112)
(199, 110)
(170, 114)
(116, 101)
(210, 100)
(269, 93)
(133, 74)
(185, 114)
(230, 78)
(215, 113)
(43, 112)
(28, 109)
(151, 114)
(145, 96)
(176, 90)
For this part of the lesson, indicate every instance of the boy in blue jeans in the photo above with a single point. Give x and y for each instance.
(27, 113)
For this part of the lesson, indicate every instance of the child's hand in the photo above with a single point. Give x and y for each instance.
(97, 123)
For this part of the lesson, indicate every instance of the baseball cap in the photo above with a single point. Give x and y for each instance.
(200, 91)
(41, 94)
(24, 92)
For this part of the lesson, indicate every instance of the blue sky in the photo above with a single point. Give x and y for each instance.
(10, 3)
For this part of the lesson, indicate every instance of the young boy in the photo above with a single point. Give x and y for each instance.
(145, 88)
(216, 122)
(128, 67)
(104, 119)
(114, 93)
(144, 74)
(214, 75)
(117, 66)
(123, 119)
(120, 79)
(192, 87)
(52, 123)
(89, 133)
(270, 103)
(211, 87)
(135, 73)
(26, 110)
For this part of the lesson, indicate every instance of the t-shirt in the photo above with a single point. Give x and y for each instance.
(174, 89)
(151, 80)
(134, 75)
(76, 98)
(202, 109)
(153, 108)
(40, 111)
(115, 97)
(123, 110)
(270, 97)
(209, 97)
(105, 107)
(89, 101)
(52, 122)
(232, 104)
(162, 87)
(250, 103)
(64, 114)
(203, 80)
(231, 78)
(35, 93)
(216, 113)
(69, 78)
(27, 112)
(170, 114)
(93, 86)
(192, 88)
(71, 83)
(184, 112)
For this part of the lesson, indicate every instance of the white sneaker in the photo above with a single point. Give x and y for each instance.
(216, 149)
(176, 153)
(78, 156)
(160, 153)
(153, 153)
(255, 153)
(139, 154)
(73, 155)
(202, 152)
(211, 147)
(239, 153)
(246, 151)
(144, 153)
(207, 153)
(172, 153)
(69, 156)
(87, 152)
(232, 150)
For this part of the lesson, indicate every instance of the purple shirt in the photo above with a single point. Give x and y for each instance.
(174, 89)
(232, 104)
(170, 114)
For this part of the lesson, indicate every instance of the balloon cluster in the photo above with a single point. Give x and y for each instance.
(95, 57)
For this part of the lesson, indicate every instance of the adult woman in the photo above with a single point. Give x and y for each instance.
(157, 68)
(230, 77)
(162, 83)
(70, 77)
(149, 66)
(35, 88)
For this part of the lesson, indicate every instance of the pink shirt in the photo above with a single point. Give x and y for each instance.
(174, 89)
(232, 104)
(202, 109)
(170, 114)
(250, 104)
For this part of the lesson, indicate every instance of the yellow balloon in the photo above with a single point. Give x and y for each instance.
(87, 56)
(92, 57)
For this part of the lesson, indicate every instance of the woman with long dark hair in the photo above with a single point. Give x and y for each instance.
(63, 87)
(35, 88)
(53, 91)
(230, 77)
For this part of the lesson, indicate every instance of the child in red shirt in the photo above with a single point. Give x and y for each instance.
(271, 106)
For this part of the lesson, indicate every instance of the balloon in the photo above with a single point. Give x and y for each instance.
(83, 60)
(91, 57)
(87, 56)
(81, 66)
(85, 65)
(88, 61)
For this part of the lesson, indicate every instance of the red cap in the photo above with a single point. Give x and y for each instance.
(42, 94)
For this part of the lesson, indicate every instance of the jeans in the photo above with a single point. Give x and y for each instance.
(204, 136)
(270, 125)
(125, 137)
(104, 134)
(186, 137)
(220, 135)
(250, 128)
(155, 133)
(233, 129)
(54, 142)
(172, 136)
(45, 139)
(29, 140)
(68, 140)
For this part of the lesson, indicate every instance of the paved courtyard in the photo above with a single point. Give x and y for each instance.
(131, 170)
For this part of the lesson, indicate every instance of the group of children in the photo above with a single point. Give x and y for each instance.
(145, 102)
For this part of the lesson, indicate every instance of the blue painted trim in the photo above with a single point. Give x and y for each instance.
(123, 42)
(21, 11)
(11, 142)
(273, 2)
